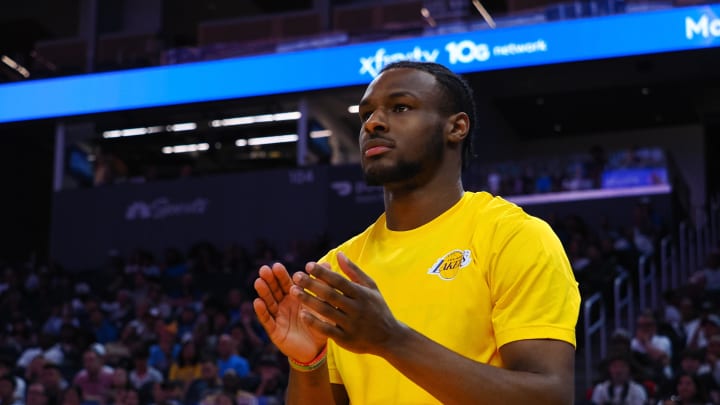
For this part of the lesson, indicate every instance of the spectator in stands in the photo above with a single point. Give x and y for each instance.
(619, 388)
(6, 369)
(692, 362)
(651, 349)
(36, 395)
(54, 383)
(121, 380)
(712, 356)
(708, 278)
(143, 326)
(163, 352)
(130, 397)
(220, 323)
(710, 324)
(688, 390)
(73, 396)
(692, 329)
(120, 310)
(228, 359)
(273, 378)
(187, 367)
(7, 391)
(209, 381)
(143, 375)
(103, 330)
(44, 348)
(165, 393)
(95, 378)
(33, 370)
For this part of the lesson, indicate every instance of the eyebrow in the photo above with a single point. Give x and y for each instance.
(393, 95)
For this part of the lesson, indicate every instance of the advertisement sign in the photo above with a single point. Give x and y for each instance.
(90, 224)
(558, 42)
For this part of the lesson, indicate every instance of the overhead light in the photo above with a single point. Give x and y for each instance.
(193, 147)
(10, 62)
(267, 140)
(185, 126)
(428, 18)
(256, 119)
(287, 116)
(324, 133)
(484, 13)
(117, 133)
(354, 109)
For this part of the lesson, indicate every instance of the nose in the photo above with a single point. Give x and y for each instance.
(376, 122)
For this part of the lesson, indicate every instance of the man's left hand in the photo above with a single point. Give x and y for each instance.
(351, 311)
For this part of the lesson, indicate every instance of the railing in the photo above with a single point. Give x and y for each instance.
(679, 258)
(668, 277)
(594, 305)
(685, 249)
(647, 280)
(623, 301)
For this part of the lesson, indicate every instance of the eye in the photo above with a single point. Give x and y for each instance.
(400, 108)
(364, 115)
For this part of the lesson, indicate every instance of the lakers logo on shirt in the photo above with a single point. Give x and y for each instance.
(448, 266)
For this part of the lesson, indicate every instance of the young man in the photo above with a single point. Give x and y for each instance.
(449, 297)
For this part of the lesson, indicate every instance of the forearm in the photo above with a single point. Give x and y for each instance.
(311, 387)
(454, 379)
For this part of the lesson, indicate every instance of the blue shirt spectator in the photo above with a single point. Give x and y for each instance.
(228, 359)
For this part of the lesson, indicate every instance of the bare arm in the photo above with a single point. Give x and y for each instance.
(314, 388)
(354, 314)
(280, 314)
(537, 371)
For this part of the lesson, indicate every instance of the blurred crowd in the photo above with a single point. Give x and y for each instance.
(176, 329)
(567, 173)
(672, 355)
(179, 327)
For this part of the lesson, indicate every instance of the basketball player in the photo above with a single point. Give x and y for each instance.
(450, 297)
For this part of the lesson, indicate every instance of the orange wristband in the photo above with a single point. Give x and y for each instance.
(311, 365)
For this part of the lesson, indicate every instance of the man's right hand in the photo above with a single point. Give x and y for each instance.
(279, 313)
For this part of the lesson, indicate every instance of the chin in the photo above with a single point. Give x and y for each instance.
(381, 175)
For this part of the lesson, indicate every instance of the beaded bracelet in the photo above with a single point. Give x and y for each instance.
(311, 365)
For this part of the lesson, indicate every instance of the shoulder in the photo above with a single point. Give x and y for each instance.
(504, 219)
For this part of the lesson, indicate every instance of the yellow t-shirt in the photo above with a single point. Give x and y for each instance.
(186, 373)
(482, 274)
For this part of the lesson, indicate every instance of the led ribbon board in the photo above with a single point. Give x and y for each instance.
(571, 40)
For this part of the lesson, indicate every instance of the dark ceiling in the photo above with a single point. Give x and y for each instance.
(536, 102)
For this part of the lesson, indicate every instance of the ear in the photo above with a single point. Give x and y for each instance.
(458, 126)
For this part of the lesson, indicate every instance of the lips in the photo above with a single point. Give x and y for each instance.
(376, 148)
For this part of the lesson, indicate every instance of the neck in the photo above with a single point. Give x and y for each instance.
(410, 207)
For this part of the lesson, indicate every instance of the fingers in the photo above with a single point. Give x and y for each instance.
(277, 280)
(264, 316)
(322, 297)
(272, 286)
(283, 277)
(325, 327)
(265, 293)
(335, 281)
(353, 271)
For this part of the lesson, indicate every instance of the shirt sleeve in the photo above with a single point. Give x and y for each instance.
(534, 292)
